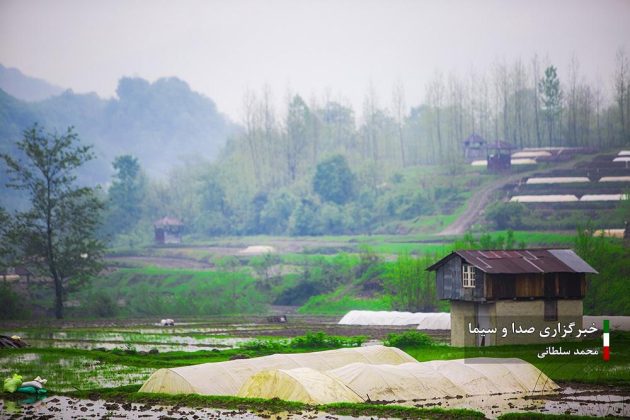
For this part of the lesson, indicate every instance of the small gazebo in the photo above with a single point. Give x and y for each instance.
(474, 147)
(168, 230)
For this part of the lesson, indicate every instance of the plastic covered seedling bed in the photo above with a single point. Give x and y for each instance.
(424, 320)
(523, 161)
(611, 233)
(615, 179)
(559, 198)
(602, 197)
(479, 163)
(622, 159)
(624, 153)
(558, 180)
(531, 154)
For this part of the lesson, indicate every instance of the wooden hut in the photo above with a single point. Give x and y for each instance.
(16, 273)
(168, 230)
(474, 147)
(493, 289)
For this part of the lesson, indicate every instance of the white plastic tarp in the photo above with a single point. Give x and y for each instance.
(558, 198)
(410, 381)
(226, 378)
(424, 320)
(558, 180)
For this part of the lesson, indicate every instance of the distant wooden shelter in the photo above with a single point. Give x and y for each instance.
(474, 147)
(499, 156)
(16, 273)
(168, 230)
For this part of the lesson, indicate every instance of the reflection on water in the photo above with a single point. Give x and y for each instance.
(72, 408)
(585, 402)
(141, 340)
(72, 373)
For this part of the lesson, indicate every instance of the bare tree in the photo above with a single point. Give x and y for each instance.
(572, 108)
(252, 128)
(399, 109)
(435, 98)
(535, 78)
(622, 92)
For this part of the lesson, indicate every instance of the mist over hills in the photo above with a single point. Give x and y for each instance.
(160, 123)
(24, 87)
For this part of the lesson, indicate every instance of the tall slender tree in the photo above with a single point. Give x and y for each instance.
(58, 231)
(551, 93)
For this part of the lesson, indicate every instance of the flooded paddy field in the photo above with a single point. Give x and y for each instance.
(188, 335)
(72, 408)
(90, 356)
(573, 399)
(596, 402)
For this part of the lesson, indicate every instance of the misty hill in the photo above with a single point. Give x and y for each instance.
(24, 87)
(158, 122)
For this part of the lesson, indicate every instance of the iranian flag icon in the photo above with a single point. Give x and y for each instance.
(606, 338)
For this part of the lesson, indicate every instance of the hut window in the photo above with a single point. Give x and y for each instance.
(468, 275)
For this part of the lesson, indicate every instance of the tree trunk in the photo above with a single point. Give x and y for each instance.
(51, 255)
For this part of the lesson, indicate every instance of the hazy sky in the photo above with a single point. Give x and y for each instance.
(222, 48)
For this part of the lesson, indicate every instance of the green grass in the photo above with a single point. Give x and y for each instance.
(152, 291)
(327, 305)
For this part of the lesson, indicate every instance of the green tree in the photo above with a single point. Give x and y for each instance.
(334, 181)
(411, 286)
(505, 215)
(551, 95)
(126, 195)
(57, 233)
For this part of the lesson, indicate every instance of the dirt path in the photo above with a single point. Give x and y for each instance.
(480, 199)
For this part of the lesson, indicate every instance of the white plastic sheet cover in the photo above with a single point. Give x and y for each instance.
(558, 180)
(424, 320)
(523, 161)
(531, 154)
(226, 378)
(306, 385)
(405, 382)
(602, 197)
(558, 198)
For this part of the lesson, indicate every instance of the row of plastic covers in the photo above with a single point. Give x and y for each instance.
(373, 373)
(359, 382)
(424, 320)
(565, 198)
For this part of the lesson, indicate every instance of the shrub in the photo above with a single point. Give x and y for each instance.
(12, 305)
(408, 339)
(103, 305)
(323, 340)
(273, 345)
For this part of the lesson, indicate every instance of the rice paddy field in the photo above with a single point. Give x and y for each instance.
(96, 367)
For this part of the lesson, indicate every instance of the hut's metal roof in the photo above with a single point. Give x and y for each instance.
(522, 261)
(500, 144)
(168, 221)
(474, 138)
(19, 271)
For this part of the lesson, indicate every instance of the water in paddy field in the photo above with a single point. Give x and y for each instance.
(142, 339)
(71, 373)
(569, 401)
(586, 401)
(72, 408)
